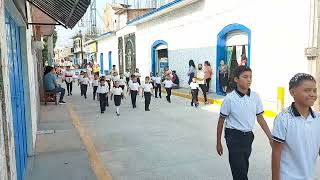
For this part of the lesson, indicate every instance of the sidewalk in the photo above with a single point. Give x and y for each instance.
(270, 108)
(59, 154)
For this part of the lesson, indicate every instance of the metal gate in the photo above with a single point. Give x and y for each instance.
(120, 54)
(17, 93)
(130, 52)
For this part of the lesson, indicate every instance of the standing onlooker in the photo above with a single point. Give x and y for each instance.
(244, 60)
(168, 85)
(147, 92)
(95, 84)
(223, 76)
(175, 80)
(201, 82)
(192, 71)
(296, 133)
(157, 81)
(68, 78)
(207, 74)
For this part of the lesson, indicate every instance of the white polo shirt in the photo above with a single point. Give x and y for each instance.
(134, 86)
(115, 78)
(95, 82)
(117, 91)
(167, 83)
(157, 80)
(103, 88)
(122, 82)
(147, 87)
(194, 85)
(85, 80)
(240, 110)
(300, 140)
(127, 74)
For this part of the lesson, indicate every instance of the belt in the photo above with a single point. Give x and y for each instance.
(68, 76)
(235, 131)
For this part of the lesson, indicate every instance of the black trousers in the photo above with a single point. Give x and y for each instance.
(240, 146)
(147, 100)
(133, 98)
(194, 93)
(168, 94)
(103, 101)
(204, 91)
(69, 87)
(109, 84)
(94, 92)
(84, 88)
(158, 89)
(208, 84)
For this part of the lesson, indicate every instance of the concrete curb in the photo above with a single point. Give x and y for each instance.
(218, 102)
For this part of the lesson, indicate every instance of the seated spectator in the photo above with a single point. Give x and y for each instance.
(175, 80)
(51, 84)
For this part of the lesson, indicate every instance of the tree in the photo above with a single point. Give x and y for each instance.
(45, 51)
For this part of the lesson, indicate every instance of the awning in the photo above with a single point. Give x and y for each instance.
(65, 12)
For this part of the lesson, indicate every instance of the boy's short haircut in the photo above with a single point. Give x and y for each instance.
(241, 69)
(297, 79)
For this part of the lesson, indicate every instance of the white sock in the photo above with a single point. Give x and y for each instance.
(118, 110)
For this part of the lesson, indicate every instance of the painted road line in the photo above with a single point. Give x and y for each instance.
(95, 160)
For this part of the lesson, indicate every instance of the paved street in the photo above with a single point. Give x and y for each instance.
(173, 141)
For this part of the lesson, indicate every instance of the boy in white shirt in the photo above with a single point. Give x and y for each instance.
(84, 84)
(108, 79)
(194, 86)
(168, 85)
(103, 90)
(68, 78)
(157, 81)
(80, 78)
(133, 91)
(296, 133)
(127, 75)
(117, 94)
(95, 84)
(147, 92)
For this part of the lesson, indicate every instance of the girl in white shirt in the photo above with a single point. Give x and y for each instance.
(147, 91)
(95, 84)
(103, 90)
(84, 84)
(68, 78)
(134, 90)
(168, 85)
(117, 94)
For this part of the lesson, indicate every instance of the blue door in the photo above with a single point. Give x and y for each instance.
(101, 64)
(110, 60)
(17, 94)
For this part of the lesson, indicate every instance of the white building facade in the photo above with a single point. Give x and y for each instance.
(272, 34)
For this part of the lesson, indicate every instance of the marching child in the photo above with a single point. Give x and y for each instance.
(84, 84)
(108, 79)
(80, 78)
(157, 81)
(239, 111)
(117, 94)
(147, 91)
(134, 91)
(296, 133)
(95, 84)
(122, 82)
(127, 75)
(168, 85)
(103, 91)
(194, 86)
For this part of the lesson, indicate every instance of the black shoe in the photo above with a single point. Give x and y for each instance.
(118, 114)
(102, 112)
(85, 97)
(68, 94)
(156, 97)
(71, 94)
(191, 103)
(197, 104)
(62, 102)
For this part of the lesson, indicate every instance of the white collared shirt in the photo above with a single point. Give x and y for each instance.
(147, 87)
(134, 86)
(240, 110)
(85, 80)
(127, 74)
(300, 138)
(137, 74)
(194, 85)
(115, 78)
(108, 77)
(167, 83)
(68, 76)
(95, 82)
(117, 91)
(103, 88)
(122, 82)
(157, 80)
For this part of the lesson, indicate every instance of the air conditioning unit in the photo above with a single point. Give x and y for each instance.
(311, 52)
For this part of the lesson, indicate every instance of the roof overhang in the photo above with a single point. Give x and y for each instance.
(161, 11)
(65, 12)
(45, 23)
